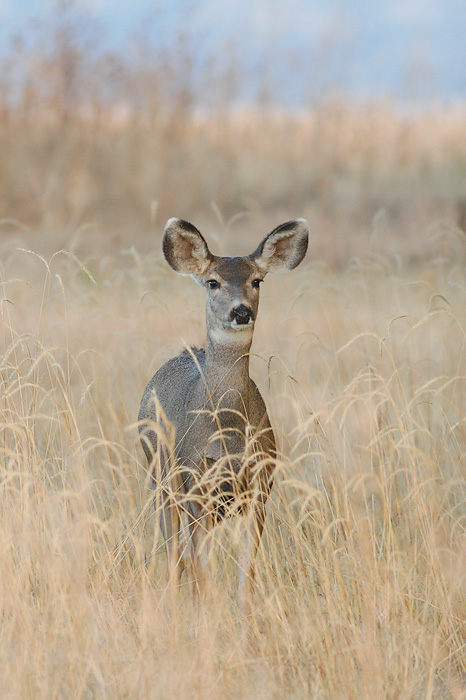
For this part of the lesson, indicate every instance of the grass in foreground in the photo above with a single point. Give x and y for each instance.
(362, 572)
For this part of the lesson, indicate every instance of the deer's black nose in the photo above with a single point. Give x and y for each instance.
(242, 314)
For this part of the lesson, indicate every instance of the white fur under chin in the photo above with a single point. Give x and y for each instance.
(241, 326)
(239, 333)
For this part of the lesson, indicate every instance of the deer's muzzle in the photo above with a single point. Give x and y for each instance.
(242, 315)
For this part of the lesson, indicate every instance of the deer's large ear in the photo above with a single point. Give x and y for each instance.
(284, 248)
(184, 248)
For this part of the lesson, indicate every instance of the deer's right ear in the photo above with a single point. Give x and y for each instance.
(284, 248)
(184, 248)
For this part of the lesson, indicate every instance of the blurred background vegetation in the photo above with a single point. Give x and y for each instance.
(100, 144)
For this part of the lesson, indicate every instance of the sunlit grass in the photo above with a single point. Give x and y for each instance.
(361, 575)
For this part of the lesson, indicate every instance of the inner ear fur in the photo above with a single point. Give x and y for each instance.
(284, 248)
(184, 248)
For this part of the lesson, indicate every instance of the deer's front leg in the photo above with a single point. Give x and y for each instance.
(249, 545)
(200, 525)
(170, 525)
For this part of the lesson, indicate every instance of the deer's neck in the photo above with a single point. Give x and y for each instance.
(226, 369)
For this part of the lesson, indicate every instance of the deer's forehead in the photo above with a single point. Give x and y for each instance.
(237, 270)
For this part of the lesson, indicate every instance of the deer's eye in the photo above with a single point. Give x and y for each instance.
(213, 284)
(256, 283)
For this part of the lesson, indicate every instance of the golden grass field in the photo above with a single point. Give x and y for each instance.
(361, 357)
(362, 573)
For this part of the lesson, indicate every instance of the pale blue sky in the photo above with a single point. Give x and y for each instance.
(367, 47)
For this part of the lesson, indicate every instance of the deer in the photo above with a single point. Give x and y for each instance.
(203, 423)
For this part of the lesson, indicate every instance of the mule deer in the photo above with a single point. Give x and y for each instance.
(204, 426)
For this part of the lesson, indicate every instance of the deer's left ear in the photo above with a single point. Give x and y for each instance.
(184, 248)
(284, 248)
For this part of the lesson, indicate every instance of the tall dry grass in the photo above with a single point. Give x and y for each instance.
(104, 179)
(99, 149)
(360, 355)
(362, 569)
